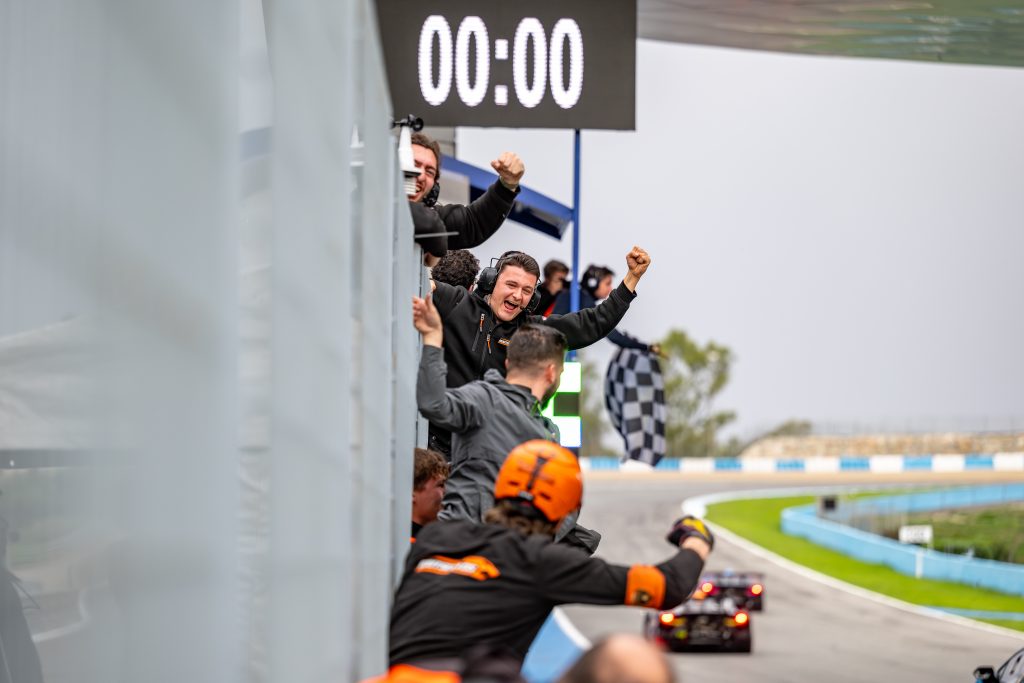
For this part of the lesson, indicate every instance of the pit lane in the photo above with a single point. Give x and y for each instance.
(809, 631)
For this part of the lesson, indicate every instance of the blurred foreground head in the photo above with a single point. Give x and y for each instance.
(622, 658)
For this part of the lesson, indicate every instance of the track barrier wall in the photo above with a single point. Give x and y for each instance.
(207, 366)
(912, 560)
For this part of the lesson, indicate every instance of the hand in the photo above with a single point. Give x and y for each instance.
(655, 348)
(509, 168)
(427, 321)
(637, 261)
(690, 527)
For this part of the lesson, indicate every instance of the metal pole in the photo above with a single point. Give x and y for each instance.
(574, 294)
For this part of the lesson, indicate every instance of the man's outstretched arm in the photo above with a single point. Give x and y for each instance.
(477, 222)
(445, 408)
(589, 325)
(570, 576)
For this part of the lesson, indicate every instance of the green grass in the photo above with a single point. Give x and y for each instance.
(995, 533)
(1006, 623)
(758, 521)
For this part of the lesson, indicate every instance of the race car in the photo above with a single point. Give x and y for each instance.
(701, 623)
(746, 588)
(1012, 671)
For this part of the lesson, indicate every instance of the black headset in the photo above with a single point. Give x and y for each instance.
(592, 277)
(489, 278)
(430, 199)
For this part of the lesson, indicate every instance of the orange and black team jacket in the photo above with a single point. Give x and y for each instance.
(467, 583)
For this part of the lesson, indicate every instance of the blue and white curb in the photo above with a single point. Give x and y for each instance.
(874, 464)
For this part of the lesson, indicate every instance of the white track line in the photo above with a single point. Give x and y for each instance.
(698, 507)
(569, 629)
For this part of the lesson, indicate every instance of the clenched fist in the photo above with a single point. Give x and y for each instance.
(509, 168)
(637, 261)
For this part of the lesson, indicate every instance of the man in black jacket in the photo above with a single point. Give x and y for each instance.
(467, 584)
(478, 326)
(472, 224)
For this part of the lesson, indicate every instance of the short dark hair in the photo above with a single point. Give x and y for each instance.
(431, 144)
(532, 347)
(518, 258)
(554, 266)
(457, 268)
(427, 465)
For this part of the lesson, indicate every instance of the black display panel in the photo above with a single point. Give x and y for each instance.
(524, 64)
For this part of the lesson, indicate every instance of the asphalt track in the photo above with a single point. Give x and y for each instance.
(809, 631)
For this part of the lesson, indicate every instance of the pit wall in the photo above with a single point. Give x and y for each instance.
(880, 464)
(913, 560)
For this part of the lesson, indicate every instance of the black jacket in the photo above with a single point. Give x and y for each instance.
(467, 584)
(475, 341)
(473, 224)
(587, 300)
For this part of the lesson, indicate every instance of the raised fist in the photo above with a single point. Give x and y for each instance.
(637, 261)
(688, 526)
(509, 168)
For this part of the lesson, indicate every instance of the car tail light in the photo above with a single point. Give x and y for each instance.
(707, 587)
(742, 618)
(666, 618)
(756, 589)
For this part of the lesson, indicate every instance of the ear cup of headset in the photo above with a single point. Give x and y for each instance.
(431, 197)
(534, 302)
(486, 280)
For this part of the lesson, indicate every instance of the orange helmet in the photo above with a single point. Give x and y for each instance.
(543, 474)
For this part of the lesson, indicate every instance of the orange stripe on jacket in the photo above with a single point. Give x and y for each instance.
(645, 586)
(406, 673)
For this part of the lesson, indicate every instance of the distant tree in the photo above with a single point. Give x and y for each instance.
(790, 428)
(694, 376)
(594, 418)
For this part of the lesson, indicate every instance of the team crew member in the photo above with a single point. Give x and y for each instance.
(457, 268)
(596, 285)
(430, 471)
(618, 658)
(489, 417)
(472, 224)
(466, 584)
(555, 273)
(479, 325)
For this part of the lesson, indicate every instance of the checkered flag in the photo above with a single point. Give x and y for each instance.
(634, 393)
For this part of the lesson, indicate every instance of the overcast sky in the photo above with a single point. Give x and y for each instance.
(852, 229)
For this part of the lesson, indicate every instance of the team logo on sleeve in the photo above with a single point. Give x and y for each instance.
(504, 342)
(473, 566)
(645, 586)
